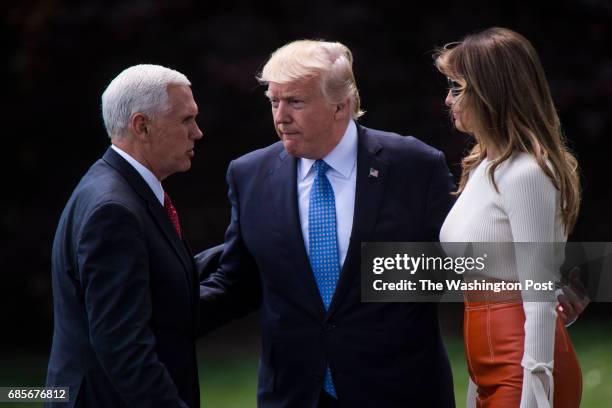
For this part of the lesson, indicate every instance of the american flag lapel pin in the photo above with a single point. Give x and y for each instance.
(373, 172)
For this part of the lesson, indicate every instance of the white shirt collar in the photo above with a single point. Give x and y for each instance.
(148, 176)
(342, 158)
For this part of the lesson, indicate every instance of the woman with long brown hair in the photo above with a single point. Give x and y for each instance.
(519, 183)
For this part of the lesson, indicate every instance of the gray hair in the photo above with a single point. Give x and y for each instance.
(140, 88)
(331, 61)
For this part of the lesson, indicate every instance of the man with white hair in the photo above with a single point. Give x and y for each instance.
(300, 210)
(124, 287)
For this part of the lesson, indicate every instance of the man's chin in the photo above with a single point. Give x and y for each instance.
(292, 148)
(185, 167)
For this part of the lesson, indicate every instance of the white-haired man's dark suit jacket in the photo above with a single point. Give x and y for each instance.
(125, 297)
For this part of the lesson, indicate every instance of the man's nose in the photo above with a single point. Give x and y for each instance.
(281, 113)
(198, 133)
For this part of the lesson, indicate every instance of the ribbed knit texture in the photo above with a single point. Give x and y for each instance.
(526, 209)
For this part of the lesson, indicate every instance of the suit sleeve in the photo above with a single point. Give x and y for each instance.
(234, 289)
(439, 197)
(113, 267)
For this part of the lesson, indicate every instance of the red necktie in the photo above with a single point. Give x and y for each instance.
(171, 211)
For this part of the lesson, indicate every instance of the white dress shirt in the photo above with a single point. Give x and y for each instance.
(342, 177)
(148, 176)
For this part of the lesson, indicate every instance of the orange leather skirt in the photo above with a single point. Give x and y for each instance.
(494, 342)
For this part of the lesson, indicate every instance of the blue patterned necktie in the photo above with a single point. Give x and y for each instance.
(323, 242)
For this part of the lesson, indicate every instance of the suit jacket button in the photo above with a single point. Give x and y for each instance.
(330, 327)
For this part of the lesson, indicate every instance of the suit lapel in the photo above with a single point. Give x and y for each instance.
(372, 171)
(284, 185)
(157, 212)
(164, 223)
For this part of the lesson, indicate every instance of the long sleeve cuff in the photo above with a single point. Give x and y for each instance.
(538, 383)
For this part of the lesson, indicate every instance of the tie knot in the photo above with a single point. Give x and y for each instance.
(321, 167)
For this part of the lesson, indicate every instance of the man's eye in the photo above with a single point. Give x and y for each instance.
(274, 104)
(297, 103)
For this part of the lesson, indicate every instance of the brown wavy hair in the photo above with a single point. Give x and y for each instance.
(503, 89)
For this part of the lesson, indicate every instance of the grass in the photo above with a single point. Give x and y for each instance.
(228, 381)
(231, 381)
(228, 375)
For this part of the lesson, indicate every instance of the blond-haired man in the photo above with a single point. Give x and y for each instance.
(300, 210)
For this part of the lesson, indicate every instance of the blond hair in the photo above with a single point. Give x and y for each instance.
(332, 62)
(504, 91)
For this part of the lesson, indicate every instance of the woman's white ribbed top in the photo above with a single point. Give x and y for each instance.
(526, 209)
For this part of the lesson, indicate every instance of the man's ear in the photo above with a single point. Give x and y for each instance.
(138, 125)
(341, 109)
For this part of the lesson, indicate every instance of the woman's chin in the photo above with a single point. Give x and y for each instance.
(459, 126)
